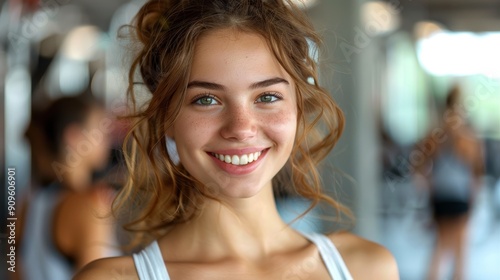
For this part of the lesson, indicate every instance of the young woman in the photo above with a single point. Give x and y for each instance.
(62, 228)
(229, 86)
(453, 172)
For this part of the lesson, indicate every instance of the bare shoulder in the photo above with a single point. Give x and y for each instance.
(109, 268)
(365, 259)
(87, 206)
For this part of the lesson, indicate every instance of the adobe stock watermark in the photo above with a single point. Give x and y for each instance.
(122, 274)
(222, 181)
(303, 270)
(75, 155)
(93, 138)
(30, 27)
(364, 35)
(407, 165)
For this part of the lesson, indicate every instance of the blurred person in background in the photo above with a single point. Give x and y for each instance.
(65, 222)
(452, 170)
(492, 148)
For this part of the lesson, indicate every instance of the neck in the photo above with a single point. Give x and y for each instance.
(248, 228)
(77, 179)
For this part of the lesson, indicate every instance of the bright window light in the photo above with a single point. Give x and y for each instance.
(460, 54)
(304, 4)
(380, 17)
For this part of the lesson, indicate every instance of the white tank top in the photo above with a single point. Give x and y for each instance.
(41, 259)
(451, 176)
(150, 266)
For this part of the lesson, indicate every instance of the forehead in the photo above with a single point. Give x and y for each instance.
(227, 53)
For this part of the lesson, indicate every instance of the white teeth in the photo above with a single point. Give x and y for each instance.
(235, 160)
(243, 160)
(238, 160)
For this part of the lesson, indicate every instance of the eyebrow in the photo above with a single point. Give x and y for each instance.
(214, 86)
(207, 85)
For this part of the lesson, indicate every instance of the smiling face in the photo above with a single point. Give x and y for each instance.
(237, 126)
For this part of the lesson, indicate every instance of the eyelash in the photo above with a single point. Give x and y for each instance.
(197, 98)
(278, 96)
(200, 96)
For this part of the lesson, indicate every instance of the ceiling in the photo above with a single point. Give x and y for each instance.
(459, 2)
(100, 12)
(457, 15)
(469, 15)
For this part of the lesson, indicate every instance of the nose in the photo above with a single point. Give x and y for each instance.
(239, 124)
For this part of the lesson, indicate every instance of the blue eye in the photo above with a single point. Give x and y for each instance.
(206, 100)
(269, 98)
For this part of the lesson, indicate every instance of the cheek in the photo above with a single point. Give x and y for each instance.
(281, 126)
(190, 132)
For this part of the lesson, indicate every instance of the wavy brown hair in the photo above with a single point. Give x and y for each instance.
(160, 193)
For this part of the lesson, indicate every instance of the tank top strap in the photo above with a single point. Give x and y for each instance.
(330, 255)
(149, 263)
(150, 266)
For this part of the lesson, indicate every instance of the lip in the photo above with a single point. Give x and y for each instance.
(239, 169)
(239, 152)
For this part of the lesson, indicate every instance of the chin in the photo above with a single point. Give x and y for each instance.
(240, 191)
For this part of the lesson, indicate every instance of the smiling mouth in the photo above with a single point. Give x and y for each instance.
(238, 159)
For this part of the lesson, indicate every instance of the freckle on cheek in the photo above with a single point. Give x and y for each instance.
(282, 117)
(280, 121)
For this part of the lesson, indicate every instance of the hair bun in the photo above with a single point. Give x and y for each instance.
(152, 19)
